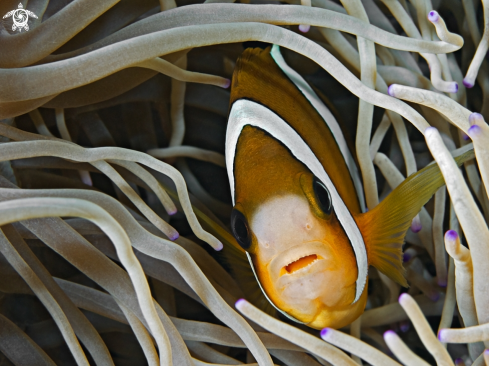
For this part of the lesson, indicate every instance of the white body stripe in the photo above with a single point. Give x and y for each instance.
(327, 116)
(245, 112)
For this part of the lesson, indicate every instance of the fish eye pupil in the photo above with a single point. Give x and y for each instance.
(322, 195)
(241, 230)
(239, 226)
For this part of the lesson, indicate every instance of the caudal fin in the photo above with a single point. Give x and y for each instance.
(384, 227)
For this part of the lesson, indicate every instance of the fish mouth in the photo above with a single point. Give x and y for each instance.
(300, 263)
(300, 259)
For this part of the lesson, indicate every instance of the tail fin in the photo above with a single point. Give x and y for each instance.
(384, 227)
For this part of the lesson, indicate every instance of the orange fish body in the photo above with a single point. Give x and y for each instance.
(298, 198)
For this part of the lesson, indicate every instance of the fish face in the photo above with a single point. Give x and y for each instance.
(301, 255)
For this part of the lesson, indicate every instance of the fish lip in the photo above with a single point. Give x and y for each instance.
(290, 255)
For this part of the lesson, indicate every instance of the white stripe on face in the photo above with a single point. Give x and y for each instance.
(327, 116)
(245, 112)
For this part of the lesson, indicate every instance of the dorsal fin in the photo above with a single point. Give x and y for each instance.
(384, 227)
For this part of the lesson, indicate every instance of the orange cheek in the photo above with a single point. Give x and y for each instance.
(315, 285)
(303, 293)
(338, 289)
(264, 277)
(339, 316)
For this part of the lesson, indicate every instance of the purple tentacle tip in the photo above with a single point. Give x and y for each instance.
(406, 257)
(389, 333)
(175, 236)
(219, 247)
(433, 16)
(468, 84)
(465, 136)
(440, 335)
(324, 332)
(430, 129)
(402, 297)
(390, 90)
(416, 228)
(238, 303)
(404, 326)
(474, 131)
(304, 28)
(416, 225)
(435, 296)
(455, 87)
(442, 283)
(227, 84)
(451, 235)
(486, 352)
(475, 117)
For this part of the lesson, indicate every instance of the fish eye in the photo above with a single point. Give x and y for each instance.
(317, 194)
(239, 227)
(322, 196)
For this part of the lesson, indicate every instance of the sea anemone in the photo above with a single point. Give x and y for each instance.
(114, 200)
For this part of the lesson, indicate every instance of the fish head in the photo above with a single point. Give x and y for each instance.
(300, 253)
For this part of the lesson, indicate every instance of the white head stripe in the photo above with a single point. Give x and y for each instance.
(327, 116)
(245, 112)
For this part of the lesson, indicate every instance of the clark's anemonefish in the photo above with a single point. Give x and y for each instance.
(298, 202)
